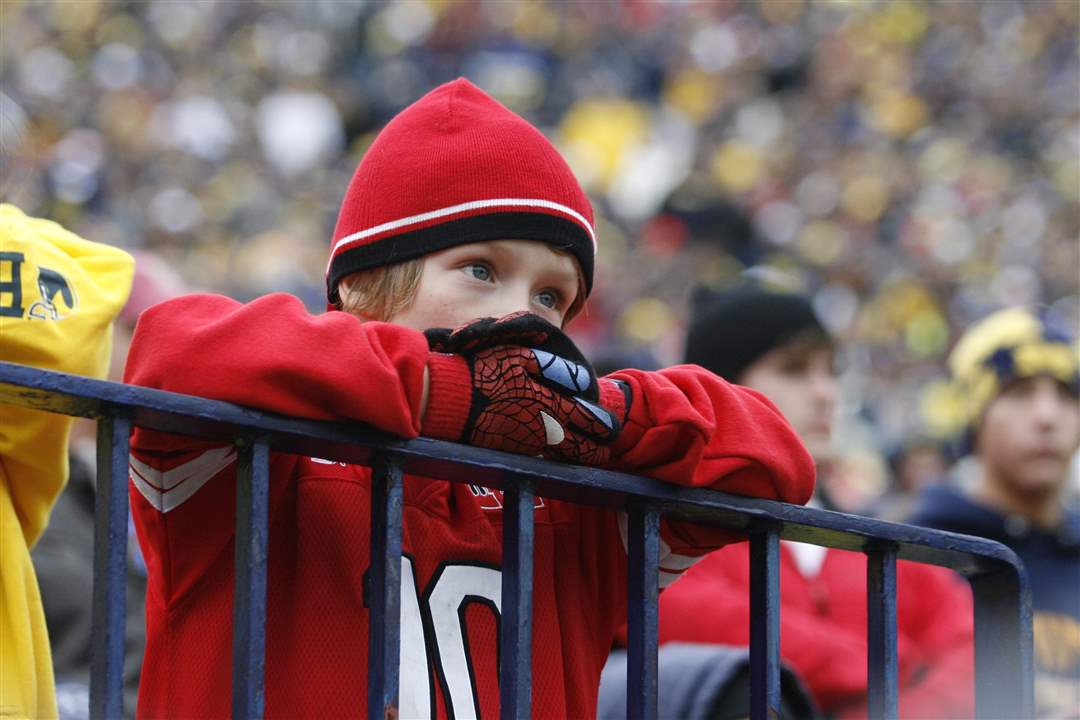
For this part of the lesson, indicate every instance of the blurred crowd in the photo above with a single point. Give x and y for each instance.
(910, 165)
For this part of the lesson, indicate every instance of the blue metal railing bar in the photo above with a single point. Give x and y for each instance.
(881, 655)
(643, 559)
(1003, 612)
(384, 585)
(765, 623)
(515, 638)
(249, 595)
(110, 562)
(998, 692)
(215, 420)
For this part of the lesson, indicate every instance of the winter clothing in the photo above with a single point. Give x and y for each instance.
(457, 167)
(58, 296)
(518, 384)
(731, 330)
(823, 627)
(1052, 560)
(1009, 345)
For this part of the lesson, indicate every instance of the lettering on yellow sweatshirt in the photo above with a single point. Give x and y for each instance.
(59, 294)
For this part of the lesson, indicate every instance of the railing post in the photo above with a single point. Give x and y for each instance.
(764, 624)
(881, 631)
(515, 637)
(249, 593)
(110, 566)
(1003, 644)
(642, 591)
(384, 629)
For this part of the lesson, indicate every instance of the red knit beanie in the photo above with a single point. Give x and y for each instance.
(456, 167)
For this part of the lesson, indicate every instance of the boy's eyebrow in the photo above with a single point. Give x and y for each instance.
(565, 275)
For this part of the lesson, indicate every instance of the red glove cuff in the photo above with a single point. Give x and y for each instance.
(613, 399)
(449, 397)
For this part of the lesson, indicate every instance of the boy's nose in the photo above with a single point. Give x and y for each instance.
(823, 387)
(509, 302)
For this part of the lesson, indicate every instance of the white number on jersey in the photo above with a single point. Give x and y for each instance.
(443, 604)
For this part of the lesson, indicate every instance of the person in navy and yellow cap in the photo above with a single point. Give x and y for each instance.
(1016, 374)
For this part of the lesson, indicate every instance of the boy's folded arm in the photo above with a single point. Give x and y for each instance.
(687, 426)
(273, 355)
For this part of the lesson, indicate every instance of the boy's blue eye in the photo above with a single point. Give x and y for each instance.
(548, 298)
(478, 271)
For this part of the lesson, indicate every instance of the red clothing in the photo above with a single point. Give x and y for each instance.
(823, 627)
(685, 425)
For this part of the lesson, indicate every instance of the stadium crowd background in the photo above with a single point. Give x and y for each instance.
(913, 165)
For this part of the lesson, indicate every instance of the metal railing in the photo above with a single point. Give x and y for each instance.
(1002, 605)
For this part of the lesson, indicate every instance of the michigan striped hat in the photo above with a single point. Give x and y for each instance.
(1010, 345)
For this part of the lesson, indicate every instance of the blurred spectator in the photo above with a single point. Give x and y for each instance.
(773, 342)
(914, 464)
(64, 555)
(1017, 379)
(58, 296)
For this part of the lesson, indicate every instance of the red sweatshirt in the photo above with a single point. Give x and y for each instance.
(685, 426)
(823, 627)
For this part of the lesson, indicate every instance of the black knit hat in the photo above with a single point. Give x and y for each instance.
(730, 330)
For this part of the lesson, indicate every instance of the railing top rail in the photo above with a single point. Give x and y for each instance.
(354, 443)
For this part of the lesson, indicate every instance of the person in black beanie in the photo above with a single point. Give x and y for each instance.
(774, 343)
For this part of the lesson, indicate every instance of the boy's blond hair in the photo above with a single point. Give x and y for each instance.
(380, 293)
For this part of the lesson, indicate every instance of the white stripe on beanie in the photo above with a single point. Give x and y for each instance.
(461, 208)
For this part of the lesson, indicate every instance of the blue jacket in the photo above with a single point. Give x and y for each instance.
(1052, 560)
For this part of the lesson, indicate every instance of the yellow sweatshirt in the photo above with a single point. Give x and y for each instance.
(58, 297)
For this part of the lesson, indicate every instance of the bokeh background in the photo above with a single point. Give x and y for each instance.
(912, 165)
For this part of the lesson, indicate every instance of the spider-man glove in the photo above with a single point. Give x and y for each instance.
(498, 384)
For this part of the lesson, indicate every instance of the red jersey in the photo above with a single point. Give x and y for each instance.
(685, 425)
(823, 627)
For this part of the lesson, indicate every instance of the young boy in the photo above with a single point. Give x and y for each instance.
(459, 210)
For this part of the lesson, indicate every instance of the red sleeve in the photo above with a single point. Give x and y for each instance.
(711, 604)
(273, 355)
(270, 354)
(690, 427)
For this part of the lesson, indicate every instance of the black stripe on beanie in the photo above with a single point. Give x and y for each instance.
(731, 330)
(553, 229)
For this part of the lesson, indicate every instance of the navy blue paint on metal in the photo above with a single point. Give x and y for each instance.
(110, 567)
(515, 636)
(249, 592)
(1003, 646)
(881, 632)
(353, 443)
(991, 563)
(384, 576)
(764, 624)
(643, 564)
